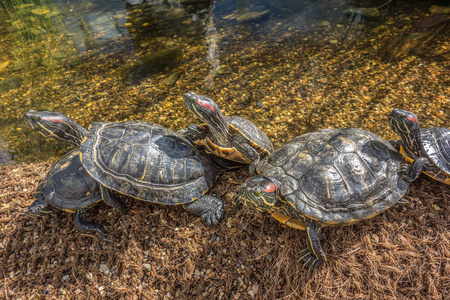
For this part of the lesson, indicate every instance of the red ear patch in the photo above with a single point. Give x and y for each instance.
(270, 187)
(413, 119)
(54, 120)
(208, 106)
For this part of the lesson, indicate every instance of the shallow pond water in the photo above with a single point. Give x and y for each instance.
(289, 66)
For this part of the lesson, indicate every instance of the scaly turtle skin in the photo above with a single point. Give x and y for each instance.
(68, 187)
(425, 148)
(233, 138)
(142, 160)
(326, 178)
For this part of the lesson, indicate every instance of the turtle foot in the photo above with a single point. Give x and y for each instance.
(210, 208)
(310, 261)
(82, 224)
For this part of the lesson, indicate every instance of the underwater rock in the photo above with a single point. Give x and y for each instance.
(153, 63)
(440, 9)
(367, 12)
(252, 15)
(430, 21)
(10, 84)
(175, 14)
(41, 10)
(171, 79)
(134, 2)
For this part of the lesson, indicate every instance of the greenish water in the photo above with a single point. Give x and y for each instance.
(289, 66)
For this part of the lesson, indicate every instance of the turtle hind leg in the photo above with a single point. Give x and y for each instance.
(411, 172)
(313, 256)
(81, 223)
(111, 200)
(210, 208)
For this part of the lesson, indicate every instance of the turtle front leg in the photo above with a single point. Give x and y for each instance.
(397, 144)
(411, 172)
(313, 256)
(210, 208)
(81, 223)
(40, 207)
(194, 132)
(111, 200)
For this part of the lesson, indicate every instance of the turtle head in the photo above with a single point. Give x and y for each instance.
(40, 207)
(55, 125)
(403, 122)
(259, 192)
(208, 112)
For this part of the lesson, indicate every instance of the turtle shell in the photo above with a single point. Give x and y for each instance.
(146, 161)
(68, 186)
(436, 145)
(337, 176)
(255, 136)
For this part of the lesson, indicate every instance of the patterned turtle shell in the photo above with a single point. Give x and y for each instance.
(68, 186)
(255, 136)
(436, 146)
(146, 161)
(337, 176)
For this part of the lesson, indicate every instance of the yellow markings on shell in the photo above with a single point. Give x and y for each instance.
(326, 182)
(145, 168)
(65, 165)
(114, 157)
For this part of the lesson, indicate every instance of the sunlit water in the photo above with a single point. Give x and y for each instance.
(289, 66)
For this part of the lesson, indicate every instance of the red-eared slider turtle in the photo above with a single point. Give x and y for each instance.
(58, 126)
(68, 187)
(427, 148)
(233, 138)
(327, 178)
(142, 160)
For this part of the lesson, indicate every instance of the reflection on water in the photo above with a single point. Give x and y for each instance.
(289, 66)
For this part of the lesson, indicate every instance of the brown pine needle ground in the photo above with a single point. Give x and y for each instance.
(163, 252)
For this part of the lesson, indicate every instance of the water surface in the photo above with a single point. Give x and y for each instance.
(289, 66)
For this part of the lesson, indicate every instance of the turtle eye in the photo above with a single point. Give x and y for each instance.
(35, 118)
(258, 192)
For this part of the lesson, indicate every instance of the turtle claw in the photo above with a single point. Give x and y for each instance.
(309, 260)
(404, 168)
(212, 218)
(102, 236)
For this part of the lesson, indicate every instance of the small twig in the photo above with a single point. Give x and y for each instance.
(56, 47)
(384, 4)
